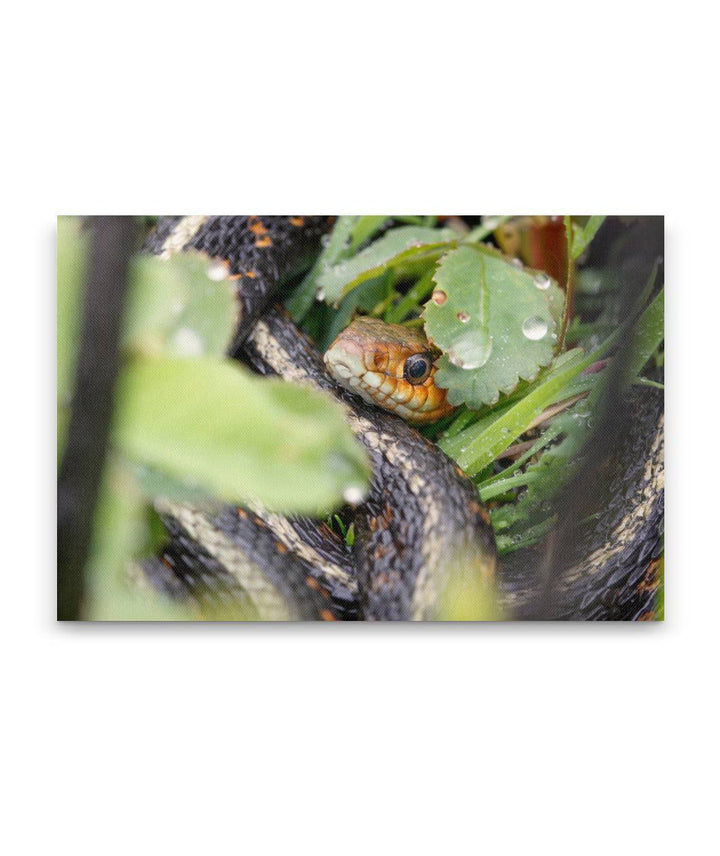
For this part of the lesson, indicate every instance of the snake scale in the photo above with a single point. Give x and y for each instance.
(422, 537)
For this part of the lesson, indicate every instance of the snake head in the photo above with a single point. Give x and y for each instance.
(391, 366)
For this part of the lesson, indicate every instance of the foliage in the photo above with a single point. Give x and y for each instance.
(509, 384)
(239, 437)
(399, 245)
(495, 323)
(186, 419)
(72, 249)
(191, 423)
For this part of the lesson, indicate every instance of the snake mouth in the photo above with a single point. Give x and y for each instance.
(344, 363)
(369, 358)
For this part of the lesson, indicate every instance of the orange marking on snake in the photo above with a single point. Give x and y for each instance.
(650, 580)
(326, 615)
(257, 227)
(265, 241)
(297, 221)
(312, 583)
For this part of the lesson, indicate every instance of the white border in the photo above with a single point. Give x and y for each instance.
(187, 739)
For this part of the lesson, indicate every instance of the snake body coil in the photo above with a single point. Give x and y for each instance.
(422, 538)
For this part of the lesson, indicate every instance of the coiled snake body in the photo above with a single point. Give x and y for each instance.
(423, 540)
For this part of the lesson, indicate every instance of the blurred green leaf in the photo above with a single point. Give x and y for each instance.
(238, 436)
(116, 589)
(496, 324)
(175, 307)
(395, 246)
(72, 262)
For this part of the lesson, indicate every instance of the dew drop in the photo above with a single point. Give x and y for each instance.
(534, 328)
(542, 281)
(463, 317)
(439, 297)
(325, 240)
(490, 223)
(353, 494)
(187, 342)
(471, 351)
(217, 270)
(517, 262)
(320, 295)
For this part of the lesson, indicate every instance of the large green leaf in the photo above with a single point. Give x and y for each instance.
(238, 436)
(178, 306)
(496, 323)
(396, 246)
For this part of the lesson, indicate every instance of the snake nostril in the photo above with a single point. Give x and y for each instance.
(381, 358)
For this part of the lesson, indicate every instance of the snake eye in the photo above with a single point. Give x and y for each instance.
(417, 368)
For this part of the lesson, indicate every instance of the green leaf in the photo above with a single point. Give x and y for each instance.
(648, 335)
(364, 228)
(175, 307)
(583, 235)
(477, 446)
(120, 534)
(366, 296)
(237, 436)
(72, 260)
(485, 229)
(396, 246)
(496, 324)
(347, 235)
(558, 463)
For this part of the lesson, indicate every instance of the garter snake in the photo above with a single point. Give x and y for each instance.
(423, 539)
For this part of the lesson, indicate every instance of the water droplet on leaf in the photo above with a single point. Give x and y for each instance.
(471, 350)
(542, 281)
(439, 297)
(534, 328)
(463, 317)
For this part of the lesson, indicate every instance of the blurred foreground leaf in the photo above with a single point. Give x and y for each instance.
(239, 437)
(175, 307)
(120, 533)
(72, 259)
